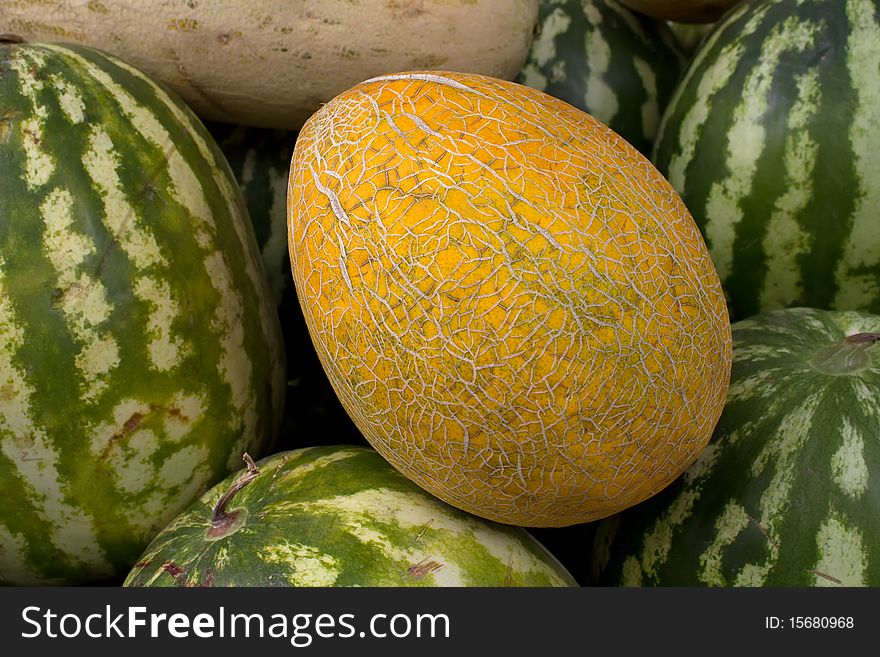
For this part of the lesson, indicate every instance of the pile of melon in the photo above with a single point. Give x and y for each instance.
(499, 293)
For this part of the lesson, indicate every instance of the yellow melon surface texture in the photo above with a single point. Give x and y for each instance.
(512, 304)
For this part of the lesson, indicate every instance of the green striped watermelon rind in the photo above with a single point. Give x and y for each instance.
(787, 493)
(260, 161)
(139, 351)
(338, 516)
(605, 59)
(771, 141)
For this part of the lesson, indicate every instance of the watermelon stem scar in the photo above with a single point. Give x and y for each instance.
(224, 522)
(848, 356)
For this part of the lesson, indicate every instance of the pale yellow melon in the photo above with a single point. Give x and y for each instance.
(272, 63)
(513, 305)
(685, 11)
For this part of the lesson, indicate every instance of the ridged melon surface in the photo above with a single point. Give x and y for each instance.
(513, 305)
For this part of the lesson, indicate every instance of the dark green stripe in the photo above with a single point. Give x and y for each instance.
(757, 422)
(828, 217)
(655, 45)
(49, 350)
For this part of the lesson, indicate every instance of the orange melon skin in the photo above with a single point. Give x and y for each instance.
(513, 305)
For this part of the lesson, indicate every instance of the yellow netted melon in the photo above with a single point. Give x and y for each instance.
(513, 305)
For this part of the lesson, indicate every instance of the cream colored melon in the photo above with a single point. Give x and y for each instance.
(273, 62)
(513, 305)
(685, 11)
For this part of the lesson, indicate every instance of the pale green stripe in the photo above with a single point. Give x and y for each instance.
(658, 541)
(33, 453)
(164, 348)
(39, 165)
(252, 264)
(101, 162)
(785, 240)
(730, 524)
(544, 48)
(82, 298)
(782, 455)
(234, 363)
(69, 99)
(713, 78)
(848, 466)
(862, 248)
(651, 107)
(843, 557)
(312, 566)
(184, 186)
(599, 96)
(747, 139)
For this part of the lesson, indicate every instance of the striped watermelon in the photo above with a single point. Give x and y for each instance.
(260, 161)
(788, 491)
(139, 350)
(690, 35)
(772, 142)
(608, 61)
(337, 516)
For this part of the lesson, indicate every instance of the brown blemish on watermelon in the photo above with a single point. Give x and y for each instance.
(173, 569)
(825, 576)
(178, 414)
(130, 425)
(423, 568)
(142, 564)
(208, 580)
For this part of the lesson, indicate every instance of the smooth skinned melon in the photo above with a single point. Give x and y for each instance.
(271, 63)
(512, 304)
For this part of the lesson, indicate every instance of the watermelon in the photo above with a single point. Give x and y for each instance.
(337, 516)
(139, 350)
(689, 35)
(608, 61)
(787, 493)
(260, 161)
(772, 142)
